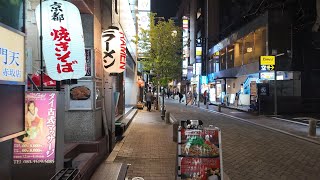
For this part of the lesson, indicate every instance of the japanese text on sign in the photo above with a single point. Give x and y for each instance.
(11, 56)
(114, 50)
(38, 144)
(62, 38)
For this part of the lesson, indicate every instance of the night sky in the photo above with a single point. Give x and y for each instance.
(165, 8)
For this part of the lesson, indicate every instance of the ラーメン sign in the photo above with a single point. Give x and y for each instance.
(63, 43)
(11, 56)
(114, 50)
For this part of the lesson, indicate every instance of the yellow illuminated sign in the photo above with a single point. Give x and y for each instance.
(267, 60)
(12, 60)
(198, 51)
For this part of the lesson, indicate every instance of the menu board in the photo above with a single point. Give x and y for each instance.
(253, 88)
(200, 168)
(199, 153)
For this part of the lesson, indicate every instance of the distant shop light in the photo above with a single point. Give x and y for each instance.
(249, 49)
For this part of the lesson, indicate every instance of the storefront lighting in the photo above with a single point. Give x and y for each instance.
(249, 49)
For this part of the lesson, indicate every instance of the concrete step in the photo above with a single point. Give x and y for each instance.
(86, 163)
(123, 123)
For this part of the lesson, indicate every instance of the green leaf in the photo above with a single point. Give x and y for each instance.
(163, 50)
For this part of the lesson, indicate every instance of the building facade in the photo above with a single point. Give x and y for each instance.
(235, 35)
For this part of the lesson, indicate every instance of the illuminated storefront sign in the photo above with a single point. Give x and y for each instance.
(267, 63)
(114, 50)
(63, 43)
(39, 142)
(11, 56)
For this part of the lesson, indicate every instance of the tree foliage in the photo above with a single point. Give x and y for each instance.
(161, 47)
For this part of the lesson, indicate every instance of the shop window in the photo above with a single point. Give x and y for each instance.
(260, 39)
(223, 59)
(12, 14)
(248, 51)
(230, 57)
(238, 53)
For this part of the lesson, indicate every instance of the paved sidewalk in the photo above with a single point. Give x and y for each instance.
(148, 147)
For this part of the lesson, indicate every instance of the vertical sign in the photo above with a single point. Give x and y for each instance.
(38, 144)
(185, 43)
(114, 50)
(88, 54)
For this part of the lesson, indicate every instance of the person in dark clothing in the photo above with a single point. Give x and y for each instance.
(205, 97)
(149, 99)
(180, 97)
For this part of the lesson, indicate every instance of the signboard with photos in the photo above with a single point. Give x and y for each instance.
(199, 151)
(38, 145)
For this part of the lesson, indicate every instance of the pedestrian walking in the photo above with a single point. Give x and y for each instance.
(188, 98)
(149, 99)
(180, 97)
(205, 97)
(195, 94)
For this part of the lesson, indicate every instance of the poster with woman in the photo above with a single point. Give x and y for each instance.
(37, 145)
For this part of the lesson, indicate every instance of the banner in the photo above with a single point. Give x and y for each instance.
(38, 144)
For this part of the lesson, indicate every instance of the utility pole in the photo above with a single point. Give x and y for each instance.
(275, 86)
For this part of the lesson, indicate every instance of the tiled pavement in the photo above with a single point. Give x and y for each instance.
(287, 127)
(256, 152)
(148, 147)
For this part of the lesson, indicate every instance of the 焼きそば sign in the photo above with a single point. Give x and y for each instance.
(63, 43)
(39, 142)
(114, 50)
(11, 56)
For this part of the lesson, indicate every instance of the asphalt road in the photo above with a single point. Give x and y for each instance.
(254, 152)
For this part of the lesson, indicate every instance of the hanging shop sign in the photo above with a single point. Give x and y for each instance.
(39, 142)
(88, 53)
(267, 63)
(63, 43)
(114, 50)
(11, 56)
